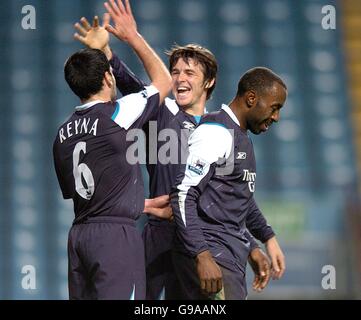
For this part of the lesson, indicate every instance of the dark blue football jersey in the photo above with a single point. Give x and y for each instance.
(174, 127)
(90, 156)
(163, 169)
(213, 195)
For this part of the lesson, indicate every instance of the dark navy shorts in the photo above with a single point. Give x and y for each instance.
(106, 260)
(234, 281)
(162, 282)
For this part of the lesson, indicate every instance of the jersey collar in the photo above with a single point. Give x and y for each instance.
(228, 110)
(88, 105)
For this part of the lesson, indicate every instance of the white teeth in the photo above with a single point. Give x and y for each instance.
(182, 89)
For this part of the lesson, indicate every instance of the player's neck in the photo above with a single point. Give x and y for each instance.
(102, 96)
(195, 112)
(236, 107)
(196, 109)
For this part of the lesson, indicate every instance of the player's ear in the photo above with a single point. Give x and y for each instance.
(210, 83)
(251, 98)
(108, 79)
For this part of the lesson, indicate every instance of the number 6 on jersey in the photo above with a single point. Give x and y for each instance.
(82, 174)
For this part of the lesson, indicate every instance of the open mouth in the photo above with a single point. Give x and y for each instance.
(182, 91)
(266, 124)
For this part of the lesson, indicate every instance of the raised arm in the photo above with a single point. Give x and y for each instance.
(95, 36)
(125, 29)
(127, 81)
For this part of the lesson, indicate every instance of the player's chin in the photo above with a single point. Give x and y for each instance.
(183, 101)
(261, 128)
(256, 130)
(184, 104)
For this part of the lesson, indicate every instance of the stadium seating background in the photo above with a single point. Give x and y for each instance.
(306, 165)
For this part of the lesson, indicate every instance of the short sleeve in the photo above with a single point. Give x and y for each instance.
(135, 109)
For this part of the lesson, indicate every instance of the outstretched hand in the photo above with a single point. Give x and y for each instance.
(125, 27)
(93, 36)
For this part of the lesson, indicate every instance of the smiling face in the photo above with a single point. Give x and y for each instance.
(188, 86)
(265, 107)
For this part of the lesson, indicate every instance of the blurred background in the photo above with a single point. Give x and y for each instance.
(308, 166)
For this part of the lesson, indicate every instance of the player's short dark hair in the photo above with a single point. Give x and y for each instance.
(200, 55)
(84, 72)
(258, 79)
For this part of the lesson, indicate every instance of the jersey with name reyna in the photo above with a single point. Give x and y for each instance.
(90, 156)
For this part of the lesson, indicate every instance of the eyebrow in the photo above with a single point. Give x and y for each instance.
(186, 70)
(278, 105)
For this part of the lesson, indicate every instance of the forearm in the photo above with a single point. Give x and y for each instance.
(108, 52)
(257, 224)
(127, 81)
(153, 65)
(126, 30)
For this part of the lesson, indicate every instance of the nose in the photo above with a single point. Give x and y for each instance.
(276, 116)
(181, 77)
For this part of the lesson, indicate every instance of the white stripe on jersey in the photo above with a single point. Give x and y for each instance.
(132, 106)
(88, 105)
(208, 143)
(171, 105)
(132, 296)
(230, 113)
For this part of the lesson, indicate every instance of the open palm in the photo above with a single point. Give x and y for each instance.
(124, 24)
(95, 36)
